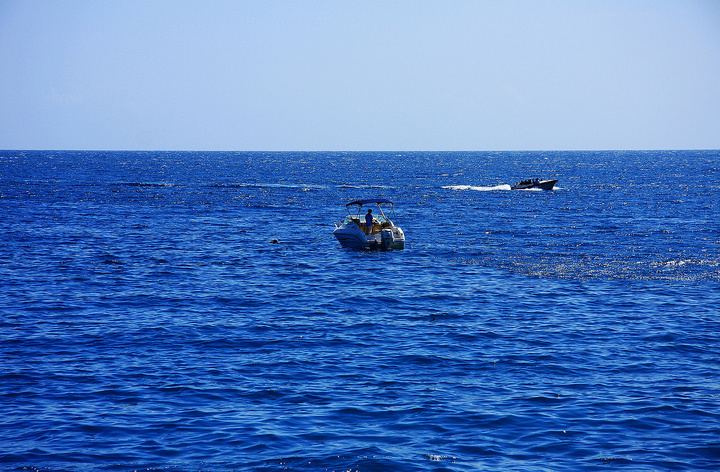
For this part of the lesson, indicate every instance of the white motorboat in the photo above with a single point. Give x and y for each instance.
(382, 234)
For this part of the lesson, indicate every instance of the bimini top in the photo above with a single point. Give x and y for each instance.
(370, 200)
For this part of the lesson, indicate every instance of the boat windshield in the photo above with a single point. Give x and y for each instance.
(349, 219)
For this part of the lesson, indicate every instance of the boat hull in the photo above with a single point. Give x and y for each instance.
(354, 238)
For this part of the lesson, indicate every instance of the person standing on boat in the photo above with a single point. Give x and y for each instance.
(368, 221)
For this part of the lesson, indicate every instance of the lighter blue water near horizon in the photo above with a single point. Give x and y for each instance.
(148, 322)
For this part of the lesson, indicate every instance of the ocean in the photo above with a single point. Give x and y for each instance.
(191, 311)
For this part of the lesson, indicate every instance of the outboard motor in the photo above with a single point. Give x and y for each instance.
(386, 239)
(400, 238)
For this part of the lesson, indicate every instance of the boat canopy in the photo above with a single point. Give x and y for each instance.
(370, 200)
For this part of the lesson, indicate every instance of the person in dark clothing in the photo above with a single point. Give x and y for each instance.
(368, 221)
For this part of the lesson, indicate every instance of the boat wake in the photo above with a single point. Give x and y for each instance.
(478, 189)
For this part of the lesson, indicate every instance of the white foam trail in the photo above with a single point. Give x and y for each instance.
(478, 189)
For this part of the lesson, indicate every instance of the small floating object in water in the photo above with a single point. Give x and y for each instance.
(274, 241)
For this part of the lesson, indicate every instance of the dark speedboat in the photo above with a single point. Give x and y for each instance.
(535, 184)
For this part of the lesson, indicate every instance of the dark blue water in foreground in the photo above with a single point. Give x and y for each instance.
(148, 323)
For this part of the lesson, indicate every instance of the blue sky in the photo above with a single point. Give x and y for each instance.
(359, 75)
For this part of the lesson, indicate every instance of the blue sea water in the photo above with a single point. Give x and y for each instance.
(148, 321)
